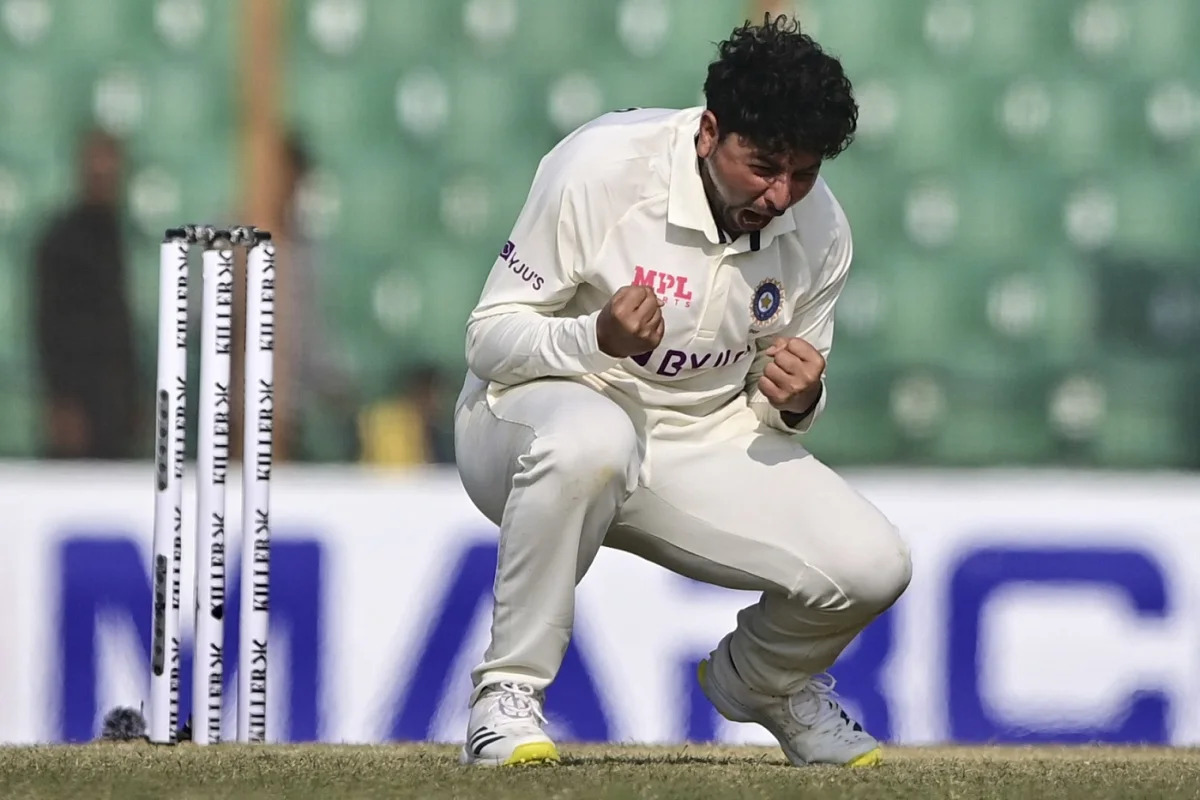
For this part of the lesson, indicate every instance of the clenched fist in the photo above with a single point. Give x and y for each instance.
(631, 323)
(792, 381)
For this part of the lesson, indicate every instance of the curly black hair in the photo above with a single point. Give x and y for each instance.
(779, 89)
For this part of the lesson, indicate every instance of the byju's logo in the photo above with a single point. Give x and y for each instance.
(508, 254)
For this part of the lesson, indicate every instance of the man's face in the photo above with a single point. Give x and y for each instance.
(102, 167)
(747, 187)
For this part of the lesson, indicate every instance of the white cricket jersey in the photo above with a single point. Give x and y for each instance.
(618, 202)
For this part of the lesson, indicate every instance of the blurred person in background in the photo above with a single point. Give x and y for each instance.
(648, 341)
(408, 427)
(86, 356)
(312, 387)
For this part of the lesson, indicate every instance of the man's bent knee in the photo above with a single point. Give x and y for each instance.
(862, 582)
(876, 578)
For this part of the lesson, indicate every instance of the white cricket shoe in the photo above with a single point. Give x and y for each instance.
(811, 726)
(507, 728)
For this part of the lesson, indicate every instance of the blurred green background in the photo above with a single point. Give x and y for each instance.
(1023, 194)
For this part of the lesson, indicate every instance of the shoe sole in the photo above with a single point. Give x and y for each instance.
(530, 754)
(735, 712)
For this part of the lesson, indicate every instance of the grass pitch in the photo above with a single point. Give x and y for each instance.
(107, 770)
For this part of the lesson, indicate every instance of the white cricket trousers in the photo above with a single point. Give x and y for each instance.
(560, 468)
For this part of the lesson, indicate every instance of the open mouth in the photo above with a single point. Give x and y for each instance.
(753, 221)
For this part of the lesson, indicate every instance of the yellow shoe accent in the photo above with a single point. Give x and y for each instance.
(702, 671)
(871, 758)
(533, 753)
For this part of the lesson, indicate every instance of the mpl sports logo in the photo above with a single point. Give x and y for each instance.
(669, 288)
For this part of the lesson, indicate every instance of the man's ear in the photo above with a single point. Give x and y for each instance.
(710, 134)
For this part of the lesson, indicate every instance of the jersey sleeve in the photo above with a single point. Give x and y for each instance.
(812, 321)
(516, 332)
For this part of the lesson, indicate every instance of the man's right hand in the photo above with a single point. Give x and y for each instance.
(631, 323)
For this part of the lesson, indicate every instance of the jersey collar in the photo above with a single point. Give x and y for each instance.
(687, 205)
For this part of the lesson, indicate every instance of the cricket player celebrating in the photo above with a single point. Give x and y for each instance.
(644, 351)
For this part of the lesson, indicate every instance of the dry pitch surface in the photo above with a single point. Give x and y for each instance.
(99, 771)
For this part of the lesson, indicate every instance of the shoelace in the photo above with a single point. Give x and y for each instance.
(519, 701)
(820, 707)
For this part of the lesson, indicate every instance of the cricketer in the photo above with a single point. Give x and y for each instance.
(645, 350)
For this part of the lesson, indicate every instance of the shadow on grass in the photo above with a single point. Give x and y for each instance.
(673, 759)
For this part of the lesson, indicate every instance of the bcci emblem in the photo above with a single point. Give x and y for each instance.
(765, 305)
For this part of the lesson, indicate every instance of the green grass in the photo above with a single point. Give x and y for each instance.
(98, 771)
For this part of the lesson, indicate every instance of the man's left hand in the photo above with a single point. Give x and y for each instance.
(792, 381)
